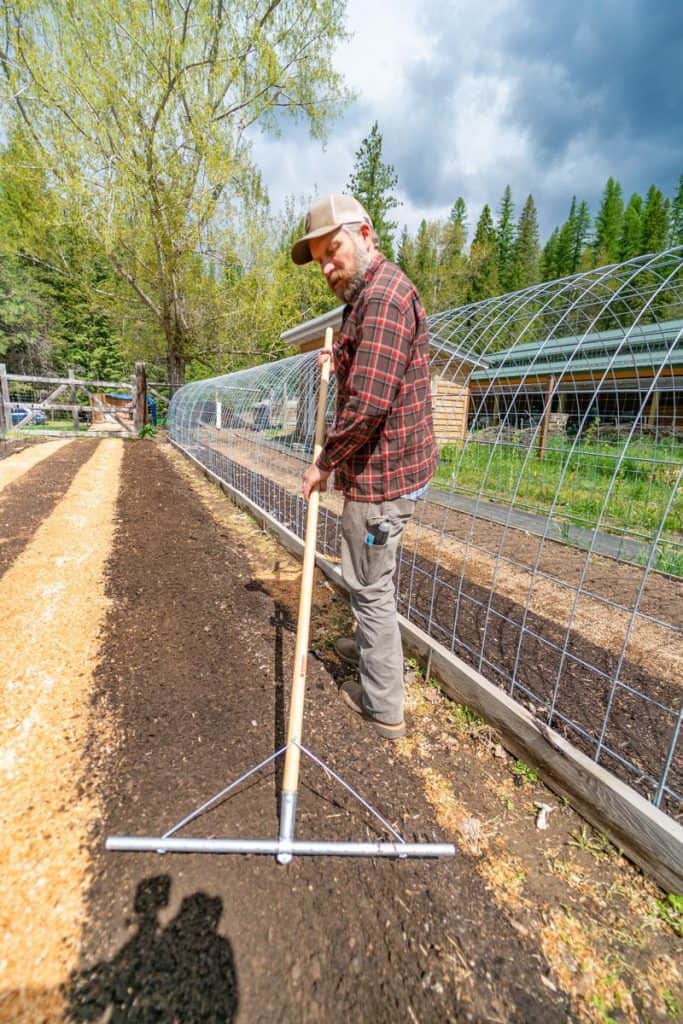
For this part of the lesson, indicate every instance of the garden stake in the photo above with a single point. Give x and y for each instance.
(286, 846)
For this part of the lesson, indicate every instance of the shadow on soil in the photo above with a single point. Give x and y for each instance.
(182, 971)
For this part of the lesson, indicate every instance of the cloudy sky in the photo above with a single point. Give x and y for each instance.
(549, 96)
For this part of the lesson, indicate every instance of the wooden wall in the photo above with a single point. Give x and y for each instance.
(450, 403)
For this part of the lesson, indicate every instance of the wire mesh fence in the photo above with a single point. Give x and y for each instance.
(548, 552)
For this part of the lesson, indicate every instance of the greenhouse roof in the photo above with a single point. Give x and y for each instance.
(647, 346)
(314, 329)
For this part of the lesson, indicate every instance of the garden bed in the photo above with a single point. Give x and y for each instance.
(187, 681)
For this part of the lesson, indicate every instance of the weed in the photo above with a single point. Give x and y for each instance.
(670, 910)
(673, 1006)
(524, 771)
(148, 430)
(606, 1013)
(414, 665)
(465, 718)
(592, 842)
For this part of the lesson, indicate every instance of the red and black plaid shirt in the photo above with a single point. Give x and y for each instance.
(382, 443)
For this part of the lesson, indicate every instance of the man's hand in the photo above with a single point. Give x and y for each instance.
(314, 477)
(323, 355)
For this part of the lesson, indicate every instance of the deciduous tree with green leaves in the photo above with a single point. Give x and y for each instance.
(139, 115)
(372, 182)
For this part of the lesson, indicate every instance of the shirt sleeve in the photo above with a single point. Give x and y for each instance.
(375, 376)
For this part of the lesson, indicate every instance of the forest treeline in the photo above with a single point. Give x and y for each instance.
(134, 223)
(505, 253)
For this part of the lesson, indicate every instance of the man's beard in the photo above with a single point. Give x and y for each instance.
(347, 288)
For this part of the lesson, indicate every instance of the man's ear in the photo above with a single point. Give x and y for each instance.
(365, 231)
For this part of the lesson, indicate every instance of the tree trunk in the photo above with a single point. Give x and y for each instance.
(178, 343)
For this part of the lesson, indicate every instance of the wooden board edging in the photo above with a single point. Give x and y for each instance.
(644, 834)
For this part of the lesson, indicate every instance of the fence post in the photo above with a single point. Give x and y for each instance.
(72, 399)
(140, 400)
(5, 408)
(545, 422)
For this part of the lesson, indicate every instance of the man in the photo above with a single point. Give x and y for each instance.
(381, 447)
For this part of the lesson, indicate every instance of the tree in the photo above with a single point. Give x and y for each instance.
(405, 253)
(458, 219)
(426, 263)
(656, 221)
(565, 243)
(631, 242)
(505, 236)
(26, 319)
(527, 251)
(677, 215)
(70, 282)
(549, 262)
(159, 170)
(608, 224)
(372, 182)
(483, 269)
(582, 227)
(452, 282)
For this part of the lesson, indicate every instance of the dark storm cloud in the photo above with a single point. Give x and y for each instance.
(611, 69)
(590, 89)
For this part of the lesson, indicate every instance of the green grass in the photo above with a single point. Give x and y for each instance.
(573, 484)
(54, 425)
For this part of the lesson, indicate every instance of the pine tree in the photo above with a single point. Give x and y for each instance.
(527, 251)
(405, 256)
(631, 242)
(677, 215)
(451, 288)
(426, 263)
(453, 237)
(608, 224)
(505, 237)
(582, 229)
(484, 280)
(549, 257)
(564, 253)
(458, 217)
(656, 216)
(372, 182)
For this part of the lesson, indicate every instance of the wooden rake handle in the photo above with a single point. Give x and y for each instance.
(296, 708)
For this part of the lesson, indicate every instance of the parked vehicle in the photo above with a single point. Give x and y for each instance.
(20, 410)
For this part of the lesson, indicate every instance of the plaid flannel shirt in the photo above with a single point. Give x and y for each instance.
(382, 445)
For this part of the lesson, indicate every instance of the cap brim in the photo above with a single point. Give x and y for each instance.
(301, 252)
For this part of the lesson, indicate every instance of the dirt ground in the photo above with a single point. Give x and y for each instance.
(173, 617)
(506, 603)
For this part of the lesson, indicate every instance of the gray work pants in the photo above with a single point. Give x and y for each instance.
(368, 571)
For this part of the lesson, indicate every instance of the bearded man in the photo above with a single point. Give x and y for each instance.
(381, 447)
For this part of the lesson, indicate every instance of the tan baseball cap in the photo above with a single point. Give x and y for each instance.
(325, 216)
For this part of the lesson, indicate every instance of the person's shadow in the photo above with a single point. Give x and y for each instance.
(181, 974)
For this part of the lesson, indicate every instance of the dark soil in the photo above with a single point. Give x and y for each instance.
(47, 483)
(572, 691)
(10, 446)
(196, 661)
